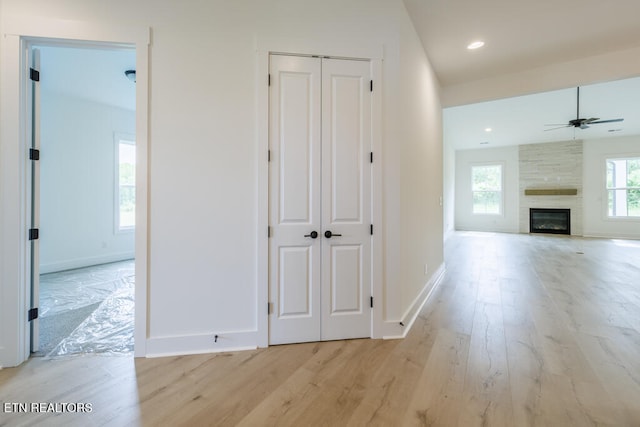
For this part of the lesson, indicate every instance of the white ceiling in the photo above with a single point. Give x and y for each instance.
(524, 35)
(519, 34)
(522, 119)
(93, 74)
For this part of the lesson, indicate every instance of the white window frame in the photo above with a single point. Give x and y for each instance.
(605, 199)
(472, 192)
(120, 138)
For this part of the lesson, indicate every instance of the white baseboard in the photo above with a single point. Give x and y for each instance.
(201, 343)
(248, 340)
(393, 329)
(71, 264)
(622, 236)
(487, 229)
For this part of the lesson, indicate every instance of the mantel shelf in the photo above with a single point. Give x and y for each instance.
(551, 192)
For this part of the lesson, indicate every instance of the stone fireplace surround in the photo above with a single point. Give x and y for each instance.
(551, 166)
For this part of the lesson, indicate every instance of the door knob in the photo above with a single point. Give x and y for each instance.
(313, 234)
(328, 234)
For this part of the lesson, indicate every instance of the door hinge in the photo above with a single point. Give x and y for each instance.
(371, 230)
(371, 157)
(33, 314)
(269, 308)
(269, 80)
(371, 85)
(268, 155)
(371, 302)
(34, 74)
(34, 234)
(269, 231)
(34, 154)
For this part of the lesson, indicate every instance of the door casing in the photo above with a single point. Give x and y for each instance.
(20, 33)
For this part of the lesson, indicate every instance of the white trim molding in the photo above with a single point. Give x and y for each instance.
(20, 33)
(201, 343)
(395, 329)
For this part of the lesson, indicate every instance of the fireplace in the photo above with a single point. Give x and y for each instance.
(555, 221)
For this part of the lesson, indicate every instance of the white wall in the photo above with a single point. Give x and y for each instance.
(78, 176)
(465, 219)
(606, 67)
(596, 222)
(419, 139)
(449, 191)
(203, 149)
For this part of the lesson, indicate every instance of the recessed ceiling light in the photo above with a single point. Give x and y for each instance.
(488, 130)
(475, 45)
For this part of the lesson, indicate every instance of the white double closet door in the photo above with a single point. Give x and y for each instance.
(320, 199)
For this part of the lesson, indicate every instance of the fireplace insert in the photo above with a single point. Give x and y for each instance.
(555, 221)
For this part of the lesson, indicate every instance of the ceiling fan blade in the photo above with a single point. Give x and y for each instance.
(578, 122)
(607, 121)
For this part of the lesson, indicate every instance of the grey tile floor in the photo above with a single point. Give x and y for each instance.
(87, 310)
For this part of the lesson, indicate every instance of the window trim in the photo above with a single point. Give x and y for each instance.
(605, 198)
(502, 187)
(119, 138)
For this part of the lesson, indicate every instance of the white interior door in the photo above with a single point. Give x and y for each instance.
(346, 199)
(294, 211)
(320, 186)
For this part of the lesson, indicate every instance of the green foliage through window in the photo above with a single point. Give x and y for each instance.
(486, 186)
(623, 187)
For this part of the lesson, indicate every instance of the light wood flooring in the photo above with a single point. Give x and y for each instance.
(524, 330)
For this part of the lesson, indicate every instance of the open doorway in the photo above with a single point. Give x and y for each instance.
(86, 262)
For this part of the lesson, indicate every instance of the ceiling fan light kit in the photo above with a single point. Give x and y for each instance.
(581, 123)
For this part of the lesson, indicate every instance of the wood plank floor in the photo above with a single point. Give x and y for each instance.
(524, 330)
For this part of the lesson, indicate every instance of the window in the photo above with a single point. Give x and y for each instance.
(486, 186)
(623, 187)
(126, 173)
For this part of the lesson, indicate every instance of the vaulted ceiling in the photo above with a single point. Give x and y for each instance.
(519, 35)
(535, 54)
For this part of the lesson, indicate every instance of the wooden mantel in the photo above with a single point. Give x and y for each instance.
(551, 192)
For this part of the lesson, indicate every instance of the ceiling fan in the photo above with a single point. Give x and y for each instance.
(581, 123)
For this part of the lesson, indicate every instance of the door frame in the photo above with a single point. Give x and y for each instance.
(348, 50)
(19, 34)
